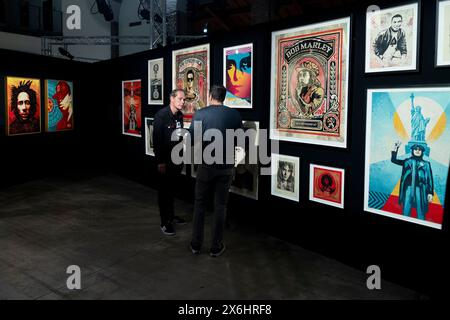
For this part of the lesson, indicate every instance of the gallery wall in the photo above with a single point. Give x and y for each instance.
(409, 254)
(39, 155)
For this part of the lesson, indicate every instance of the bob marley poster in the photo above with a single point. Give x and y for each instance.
(23, 101)
(238, 62)
(407, 153)
(58, 105)
(191, 73)
(327, 185)
(309, 83)
(131, 108)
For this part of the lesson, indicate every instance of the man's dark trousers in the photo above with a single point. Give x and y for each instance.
(167, 184)
(218, 181)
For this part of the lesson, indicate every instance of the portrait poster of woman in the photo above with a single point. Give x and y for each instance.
(131, 108)
(326, 185)
(149, 149)
(238, 76)
(59, 105)
(23, 106)
(285, 171)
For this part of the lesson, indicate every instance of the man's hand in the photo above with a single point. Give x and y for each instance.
(162, 168)
(397, 145)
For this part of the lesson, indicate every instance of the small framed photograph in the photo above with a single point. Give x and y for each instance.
(443, 34)
(392, 39)
(149, 137)
(156, 81)
(285, 176)
(326, 185)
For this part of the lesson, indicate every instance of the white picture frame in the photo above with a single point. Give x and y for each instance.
(290, 188)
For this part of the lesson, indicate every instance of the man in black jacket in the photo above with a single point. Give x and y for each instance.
(168, 120)
(216, 176)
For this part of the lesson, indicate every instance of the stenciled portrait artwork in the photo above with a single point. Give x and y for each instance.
(309, 84)
(391, 39)
(246, 176)
(191, 73)
(59, 105)
(156, 81)
(238, 76)
(285, 176)
(407, 153)
(443, 34)
(326, 185)
(131, 108)
(23, 106)
(149, 137)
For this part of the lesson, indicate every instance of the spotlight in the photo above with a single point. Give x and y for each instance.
(65, 53)
(205, 28)
(145, 14)
(105, 9)
(158, 18)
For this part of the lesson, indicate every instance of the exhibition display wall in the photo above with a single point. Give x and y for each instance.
(337, 135)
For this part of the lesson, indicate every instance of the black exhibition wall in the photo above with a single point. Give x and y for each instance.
(409, 254)
(27, 157)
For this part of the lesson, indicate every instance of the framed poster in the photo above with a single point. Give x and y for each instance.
(443, 34)
(238, 76)
(190, 69)
(246, 177)
(391, 39)
(23, 106)
(326, 185)
(309, 83)
(149, 137)
(131, 108)
(58, 105)
(156, 81)
(407, 153)
(285, 176)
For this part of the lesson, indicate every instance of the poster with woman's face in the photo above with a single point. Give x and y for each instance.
(391, 39)
(238, 76)
(326, 185)
(443, 34)
(285, 176)
(131, 108)
(23, 101)
(149, 137)
(58, 105)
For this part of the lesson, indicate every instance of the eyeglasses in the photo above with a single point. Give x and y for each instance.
(190, 79)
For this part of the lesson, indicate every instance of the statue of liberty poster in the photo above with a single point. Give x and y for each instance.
(407, 153)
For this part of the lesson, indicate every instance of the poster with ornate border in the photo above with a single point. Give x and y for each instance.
(190, 71)
(131, 108)
(391, 39)
(246, 177)
(23, 106)
(407, 153)
(285, 172)
(443, 34)
(156, 81)
(309, 83)
(326, 185)
(58, 105)
(149, 137)
(238, 76)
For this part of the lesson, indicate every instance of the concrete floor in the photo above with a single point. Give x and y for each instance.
(109, 227)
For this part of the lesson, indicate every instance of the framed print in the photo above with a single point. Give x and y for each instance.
(443, 34)
(58, 105)
(131, 108)
(190, 69)
(149, 137)
(407, 153)
(238, 76)
(156, 81)
(326, 185)
(246, 177)
(309, 84)
(285, 176)
(391, 39)
(23, 106)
